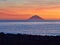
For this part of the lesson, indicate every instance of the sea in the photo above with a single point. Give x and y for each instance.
(47, 27)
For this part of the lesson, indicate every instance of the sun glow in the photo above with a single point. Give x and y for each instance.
(21, 10)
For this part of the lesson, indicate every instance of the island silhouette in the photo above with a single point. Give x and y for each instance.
(35, 17)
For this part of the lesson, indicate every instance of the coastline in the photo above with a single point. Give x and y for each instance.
(23, 39)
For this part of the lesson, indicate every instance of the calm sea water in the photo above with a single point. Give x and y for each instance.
(34, 28)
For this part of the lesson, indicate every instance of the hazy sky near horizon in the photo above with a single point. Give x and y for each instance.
(23, 9)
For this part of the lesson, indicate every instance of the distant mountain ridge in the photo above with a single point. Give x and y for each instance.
(35, 17)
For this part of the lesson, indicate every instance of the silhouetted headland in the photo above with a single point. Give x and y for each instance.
(23, 39)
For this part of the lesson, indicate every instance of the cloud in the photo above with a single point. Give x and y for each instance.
(29, 3)
(32, 1)
(3, 0)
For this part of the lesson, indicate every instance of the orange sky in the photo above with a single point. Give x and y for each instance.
(22, 11)
(21, 14)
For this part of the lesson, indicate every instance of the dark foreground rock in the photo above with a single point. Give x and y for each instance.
(23, 39)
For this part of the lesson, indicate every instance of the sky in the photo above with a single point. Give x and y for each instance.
(24, 9)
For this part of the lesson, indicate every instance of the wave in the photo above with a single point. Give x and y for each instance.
(29, 23)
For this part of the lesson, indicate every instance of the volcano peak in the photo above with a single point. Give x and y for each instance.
(36, 17)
